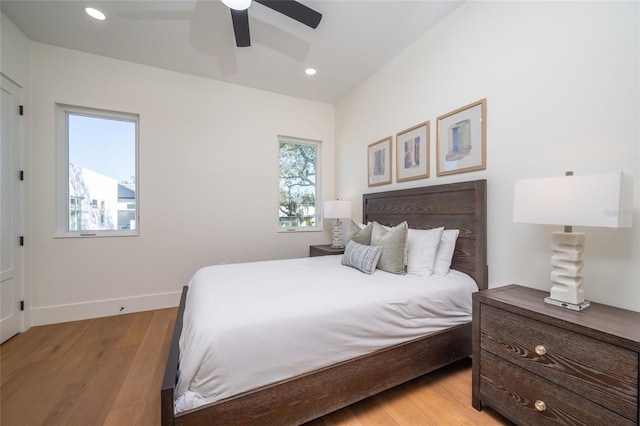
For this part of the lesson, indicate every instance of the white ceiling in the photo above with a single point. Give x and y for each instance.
(354, 39)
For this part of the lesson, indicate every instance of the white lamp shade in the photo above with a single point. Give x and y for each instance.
(337, 209)
(237, 4)
(599, 200)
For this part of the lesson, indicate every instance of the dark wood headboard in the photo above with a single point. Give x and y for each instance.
(461, 205)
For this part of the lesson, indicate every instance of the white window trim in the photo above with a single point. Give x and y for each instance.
(319, 214)
(62, 171)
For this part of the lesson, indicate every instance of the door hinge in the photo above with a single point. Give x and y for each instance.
(22, 305)
(21, 174)
(21, 240)
(21, 109)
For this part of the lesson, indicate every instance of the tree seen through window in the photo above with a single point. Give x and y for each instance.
(298, 184)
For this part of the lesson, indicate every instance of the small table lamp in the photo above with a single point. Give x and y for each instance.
(600, 200)
(337, 210)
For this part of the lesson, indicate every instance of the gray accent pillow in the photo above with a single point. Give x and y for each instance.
(362, 257)
(360, 235)
(393, 241)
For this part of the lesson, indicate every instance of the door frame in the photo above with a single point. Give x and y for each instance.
(20, 198)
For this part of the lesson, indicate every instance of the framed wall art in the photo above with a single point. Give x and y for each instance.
(412, 153)
(379, 162)
(461, 144)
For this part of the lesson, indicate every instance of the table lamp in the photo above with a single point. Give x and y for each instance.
(337, 210)
(603, 200)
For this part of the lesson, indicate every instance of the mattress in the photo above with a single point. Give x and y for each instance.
(252, 324)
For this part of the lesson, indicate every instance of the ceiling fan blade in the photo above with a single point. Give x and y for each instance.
(294, 10)
(240, 19)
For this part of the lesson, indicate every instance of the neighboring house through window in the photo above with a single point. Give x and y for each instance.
(97, 172)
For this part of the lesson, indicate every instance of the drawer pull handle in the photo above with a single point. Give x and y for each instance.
(540, 405)
(541, 350)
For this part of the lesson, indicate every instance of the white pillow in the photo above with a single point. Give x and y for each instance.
(423, 244)
(444, 254)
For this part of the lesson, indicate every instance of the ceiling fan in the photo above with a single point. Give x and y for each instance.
(291, 8)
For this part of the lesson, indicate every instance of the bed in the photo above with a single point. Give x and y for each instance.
(306, 396)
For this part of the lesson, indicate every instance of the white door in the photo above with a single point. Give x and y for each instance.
(10, 212)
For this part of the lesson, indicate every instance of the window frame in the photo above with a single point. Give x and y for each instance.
(318, 227)
(62, 170)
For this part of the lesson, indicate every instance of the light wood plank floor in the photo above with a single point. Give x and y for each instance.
(108, 371)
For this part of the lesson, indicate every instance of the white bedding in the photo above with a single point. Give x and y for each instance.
(248, 325)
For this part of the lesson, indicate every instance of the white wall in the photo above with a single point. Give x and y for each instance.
(208, 180)
(14, 53)
(561, 81)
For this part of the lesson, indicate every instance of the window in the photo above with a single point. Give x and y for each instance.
(299, 185)
(97, 172)
(74, 214)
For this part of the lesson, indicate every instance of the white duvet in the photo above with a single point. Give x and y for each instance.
(251, 324)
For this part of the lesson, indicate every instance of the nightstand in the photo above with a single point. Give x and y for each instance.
(324, 250)
(535, 363)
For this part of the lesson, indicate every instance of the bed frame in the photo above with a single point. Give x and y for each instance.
(306, 397)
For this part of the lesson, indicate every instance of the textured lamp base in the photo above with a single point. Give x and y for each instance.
(336, 234)
(566, 275)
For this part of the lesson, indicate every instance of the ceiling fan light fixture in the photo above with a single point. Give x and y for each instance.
(237, 4)
(95, 13)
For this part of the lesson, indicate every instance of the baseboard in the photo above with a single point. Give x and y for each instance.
(103, 308)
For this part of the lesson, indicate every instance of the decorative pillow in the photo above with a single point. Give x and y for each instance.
(360, 233)
(394, 247)
(406, 244)
(362, 257)
(422, 248)
(444, 254)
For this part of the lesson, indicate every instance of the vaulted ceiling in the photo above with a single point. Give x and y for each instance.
(354, 38)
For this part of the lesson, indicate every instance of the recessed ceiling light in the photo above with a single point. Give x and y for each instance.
(95, 13)
(310, 71)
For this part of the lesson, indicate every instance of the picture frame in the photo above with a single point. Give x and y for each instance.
(412, 153)
(461, 139)
(379, 162)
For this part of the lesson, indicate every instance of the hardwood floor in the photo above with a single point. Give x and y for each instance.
(108, 371)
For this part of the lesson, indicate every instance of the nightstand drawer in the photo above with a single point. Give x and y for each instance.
(517, 391)
(325, 250)
(598, 371)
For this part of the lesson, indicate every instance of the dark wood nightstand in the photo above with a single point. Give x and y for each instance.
(535, 363)
(324, 250)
